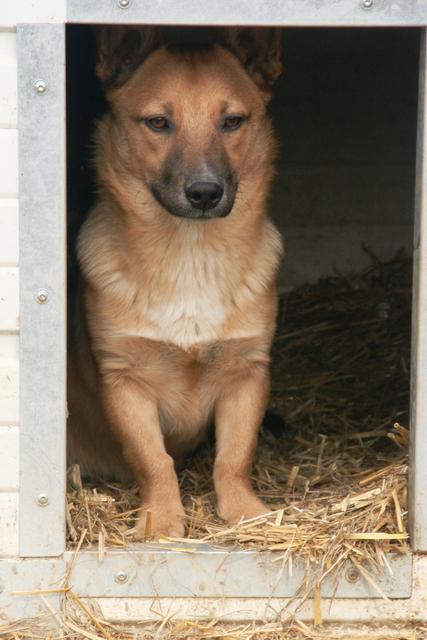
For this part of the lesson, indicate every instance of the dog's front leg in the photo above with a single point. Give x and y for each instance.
(238, 416)
(136, 423)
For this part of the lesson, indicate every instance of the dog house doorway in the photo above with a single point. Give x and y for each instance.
(345, 116)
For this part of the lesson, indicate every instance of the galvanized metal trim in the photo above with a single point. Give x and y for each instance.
(418, 444)
(286, 13)
(200, 571)
(42, 210)
(150, 572)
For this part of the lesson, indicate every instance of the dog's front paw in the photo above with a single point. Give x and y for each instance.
(240, 505)
(157, 521)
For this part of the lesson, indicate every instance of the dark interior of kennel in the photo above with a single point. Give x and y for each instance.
(345, 115)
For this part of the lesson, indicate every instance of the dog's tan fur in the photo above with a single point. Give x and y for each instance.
(178, 315)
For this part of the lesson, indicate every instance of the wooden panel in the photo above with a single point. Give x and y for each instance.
(8, 53)
(8, 524)
(9, 462)
(9, 298)
(16, 11)
(8, 79)
(9, 391)
(9, 240)
(9, 162)
(9, 346)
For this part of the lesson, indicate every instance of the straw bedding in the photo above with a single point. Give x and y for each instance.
(332, 459)
(331, 462)
(85, 624)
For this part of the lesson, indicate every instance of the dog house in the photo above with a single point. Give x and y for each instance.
(34, 63)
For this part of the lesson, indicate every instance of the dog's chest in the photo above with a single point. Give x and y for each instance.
(188, 318)
(188, 304)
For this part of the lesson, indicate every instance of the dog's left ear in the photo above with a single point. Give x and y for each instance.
(259, 50)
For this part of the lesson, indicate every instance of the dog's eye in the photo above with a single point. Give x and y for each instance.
(232, 122)
(158, 123)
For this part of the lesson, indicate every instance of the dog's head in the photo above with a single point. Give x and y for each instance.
(189, 120)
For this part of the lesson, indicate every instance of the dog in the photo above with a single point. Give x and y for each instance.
(172, 329)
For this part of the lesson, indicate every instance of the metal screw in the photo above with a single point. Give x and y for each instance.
(42, 500)
(40, 87)
(121, 577)
(42, 296)
(352, 575)
(367, 4)
(124, 4)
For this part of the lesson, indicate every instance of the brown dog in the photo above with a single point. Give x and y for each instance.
(179, 265)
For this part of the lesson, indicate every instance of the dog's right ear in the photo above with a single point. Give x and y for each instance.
(120, 50)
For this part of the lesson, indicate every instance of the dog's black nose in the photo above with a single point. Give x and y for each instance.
(204, 195)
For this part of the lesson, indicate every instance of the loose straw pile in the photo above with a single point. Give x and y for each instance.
(79, 621)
